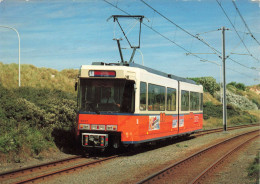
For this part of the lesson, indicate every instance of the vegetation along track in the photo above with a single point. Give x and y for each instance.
(43, 171)
(196, 167)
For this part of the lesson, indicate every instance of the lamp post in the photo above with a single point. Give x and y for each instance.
(19, 79)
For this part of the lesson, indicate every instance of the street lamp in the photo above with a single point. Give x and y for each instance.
(19, 79)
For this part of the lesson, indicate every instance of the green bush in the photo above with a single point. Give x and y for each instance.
(209, 84)
(14, 138)
(216, 111)
(256, 102)
(244, 118)
(239, 86)
(28, 116)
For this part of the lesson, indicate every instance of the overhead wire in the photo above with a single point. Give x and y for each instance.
(194, 36)
(207, 32)
(215, 50)
(186, 50)
(239, 72)
(241, 64)
(236, 31)
(172, 40)
(251, 34)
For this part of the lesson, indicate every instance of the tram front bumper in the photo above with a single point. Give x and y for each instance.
(94, 140)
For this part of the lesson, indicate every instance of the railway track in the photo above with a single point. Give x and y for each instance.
(215, 130)
(43, 171)
(197, 167)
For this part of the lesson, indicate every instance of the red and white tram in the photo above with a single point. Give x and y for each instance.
(131, 104)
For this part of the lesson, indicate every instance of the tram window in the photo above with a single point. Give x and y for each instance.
(184, 100)
(156, 98)
(194, 101)
(171, 99)
(143, 90)
(201, 101)
(101, 95)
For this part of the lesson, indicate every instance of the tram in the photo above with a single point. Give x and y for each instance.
(122, 104)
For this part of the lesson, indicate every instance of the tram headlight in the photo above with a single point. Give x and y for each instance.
(111, 127)
(84, 126)
(97, 127)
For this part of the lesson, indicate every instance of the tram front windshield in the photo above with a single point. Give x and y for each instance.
(106, 95)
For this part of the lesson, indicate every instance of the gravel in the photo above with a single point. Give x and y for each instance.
(133, 168)
(235, 168)
(48, 157)
(130, 169)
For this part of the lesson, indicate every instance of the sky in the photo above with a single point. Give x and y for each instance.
(65, 34)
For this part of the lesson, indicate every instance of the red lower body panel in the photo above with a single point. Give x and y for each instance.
(142, 128)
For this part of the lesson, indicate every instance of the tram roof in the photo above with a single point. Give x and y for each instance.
(157, 72)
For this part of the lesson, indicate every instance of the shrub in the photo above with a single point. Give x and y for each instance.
(209, 84)
(239, 86)
(211, 110)
(232, 83)
(28, 117)
(256, 102)
(244, 118)
(16, 137)
(238, 101)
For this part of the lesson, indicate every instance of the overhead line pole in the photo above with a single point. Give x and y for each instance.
(224, 80)
(236, 31)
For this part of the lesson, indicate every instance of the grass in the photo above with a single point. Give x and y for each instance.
(21, 141)
(32, 76)
(213, 111)
(41, 115)
(254, 169)
(241, 119)
(28, 119)
(207, 97)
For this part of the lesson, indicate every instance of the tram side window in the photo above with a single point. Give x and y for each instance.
(194, 101)
(171, 99)
(184, 100)
(201, 101)
(156, 98)
(143, 90)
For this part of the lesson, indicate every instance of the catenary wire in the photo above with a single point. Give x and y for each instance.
(251, 34)
(195, 36)
(215, 50)
(236, 30)
(186, 50)
(170, 39)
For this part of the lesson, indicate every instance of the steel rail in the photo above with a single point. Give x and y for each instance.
(209, 131)
(73, 168)
(31, 169)
(172, 166)
(219, 161)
